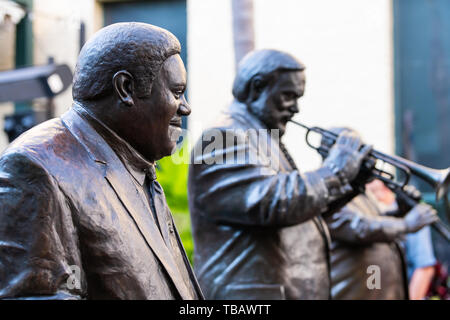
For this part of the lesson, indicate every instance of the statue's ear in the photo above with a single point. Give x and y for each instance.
(123, 83)
(257, 85)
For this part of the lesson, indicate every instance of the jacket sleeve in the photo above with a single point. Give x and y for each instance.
(246, 189)
(353, 225)
(39, 255)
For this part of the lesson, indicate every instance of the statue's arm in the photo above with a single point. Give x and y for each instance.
(351, 226)
(39, 255)
(253, 193)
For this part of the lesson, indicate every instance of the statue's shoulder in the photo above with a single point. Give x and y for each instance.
(46, 144)
(235, 116)
(38, 137)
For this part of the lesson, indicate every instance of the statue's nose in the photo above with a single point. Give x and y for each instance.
(184, 108)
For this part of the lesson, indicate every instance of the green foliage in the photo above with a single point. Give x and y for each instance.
(172, 173)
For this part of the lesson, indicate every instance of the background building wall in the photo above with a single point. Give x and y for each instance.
(56, 30)
(8, 41)
(56, 27)
(347, 49)
(210, 61)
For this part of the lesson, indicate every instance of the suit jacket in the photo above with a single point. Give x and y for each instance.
(73, 223)
(253, 222)
(361, 238)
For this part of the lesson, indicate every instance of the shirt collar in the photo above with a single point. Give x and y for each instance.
(133, 161)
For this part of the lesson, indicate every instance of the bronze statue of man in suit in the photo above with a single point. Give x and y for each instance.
(81, 214)
(258, 233)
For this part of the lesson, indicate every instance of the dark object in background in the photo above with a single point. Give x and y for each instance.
(34, 82)
(19, 122)
(29, 83)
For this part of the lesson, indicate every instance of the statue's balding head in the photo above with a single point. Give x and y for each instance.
(264, 64)
(130, 77)
(269, 83)
(139, 48)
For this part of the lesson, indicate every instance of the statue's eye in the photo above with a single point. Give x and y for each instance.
(178, 91)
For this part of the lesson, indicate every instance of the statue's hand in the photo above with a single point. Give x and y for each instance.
(346, 156)
(420, 216)
(407, 197)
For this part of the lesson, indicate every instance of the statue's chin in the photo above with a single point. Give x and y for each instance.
(174, 133)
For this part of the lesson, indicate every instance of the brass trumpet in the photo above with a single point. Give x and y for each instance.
(439, 179)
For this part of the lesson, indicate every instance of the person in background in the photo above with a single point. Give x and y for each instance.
(420, 257)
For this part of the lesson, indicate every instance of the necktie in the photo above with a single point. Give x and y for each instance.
(150, 188)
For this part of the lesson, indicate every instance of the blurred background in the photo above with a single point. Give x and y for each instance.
(379, 66)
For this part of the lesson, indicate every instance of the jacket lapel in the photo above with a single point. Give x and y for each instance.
(279, 162)
(132, 199)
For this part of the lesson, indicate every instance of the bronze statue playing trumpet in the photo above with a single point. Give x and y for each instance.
(439, 179)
